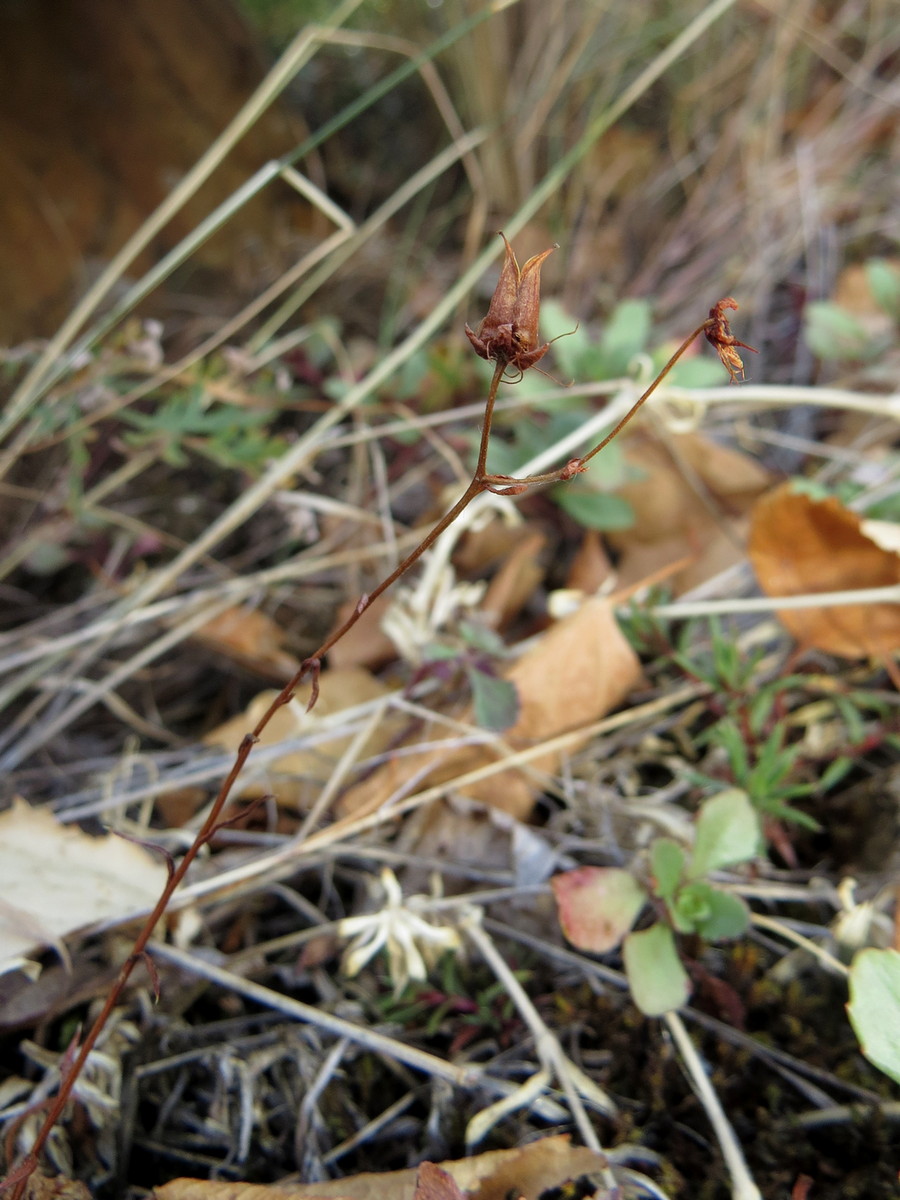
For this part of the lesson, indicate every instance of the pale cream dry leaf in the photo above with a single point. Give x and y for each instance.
(55, 880)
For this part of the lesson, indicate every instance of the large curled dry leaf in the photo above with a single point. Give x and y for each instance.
(800, 546)
(690, 502)
(54, 879)
(495, 1175)
(576, 673)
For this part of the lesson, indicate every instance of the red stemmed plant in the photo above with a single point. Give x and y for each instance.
(508, 337)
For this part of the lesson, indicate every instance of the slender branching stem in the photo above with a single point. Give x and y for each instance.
(481, 481)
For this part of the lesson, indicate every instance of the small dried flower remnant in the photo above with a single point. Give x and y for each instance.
(412, 942)
(719, 335)
(509, 332)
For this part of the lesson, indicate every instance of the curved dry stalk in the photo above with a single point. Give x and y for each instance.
(309, 669)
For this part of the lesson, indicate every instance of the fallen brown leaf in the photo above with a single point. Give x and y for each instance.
(591, 566)
(297, 777)
(517, 579)
(434, 1183)
(365, 644)
(487, 546)
(55, 879)
(526, 1172)
(801, 546)
(251, 638)
(688, 504)
(575, 673)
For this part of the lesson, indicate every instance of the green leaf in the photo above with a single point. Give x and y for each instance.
(727, 917)
(658, 981)
(483, 638)
(836, 770)
(440, 652)
(573, 345)
(597, 906)
(874, 1008)
(495, 701)
(694, 372)
(691, 907)
(884, 283)
(833, 333)
(624, 336)
(593, 509)
(667, 860)
(728, 832)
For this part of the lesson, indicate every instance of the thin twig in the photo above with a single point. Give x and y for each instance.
(550, 1052)
(742, 1185)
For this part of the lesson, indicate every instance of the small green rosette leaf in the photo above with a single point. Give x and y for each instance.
(728, 832)
(659, 983)
(727, 917)
(691, 907)
(874, 1008)
(667, 861)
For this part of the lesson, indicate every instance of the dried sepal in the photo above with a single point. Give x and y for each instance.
(718, 334)
(509, 332)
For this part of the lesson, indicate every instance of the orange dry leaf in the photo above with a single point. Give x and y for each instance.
(434, 1183)
(579, 670)
(517, 579)
(590, 567)
(365, 644)
(689, 503)
(252, 639)
(800, 546)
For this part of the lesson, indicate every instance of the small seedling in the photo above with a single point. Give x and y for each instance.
(874, 1008)
(598, 906)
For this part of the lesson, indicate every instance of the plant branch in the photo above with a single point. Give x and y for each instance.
(481, 481)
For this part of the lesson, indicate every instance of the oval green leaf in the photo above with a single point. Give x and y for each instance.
(728, 832)
(667, 865)
(874, 1008)
(495, 701)
(659, 983)
(727, 917)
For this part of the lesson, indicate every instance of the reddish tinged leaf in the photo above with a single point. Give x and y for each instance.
(597, 906)
(801, 1187)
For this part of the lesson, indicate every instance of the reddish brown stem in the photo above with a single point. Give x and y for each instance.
(18, 1177)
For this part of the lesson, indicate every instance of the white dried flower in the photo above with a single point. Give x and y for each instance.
(420, 612)
(412, 942)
